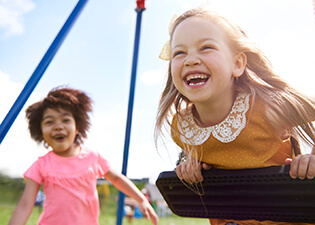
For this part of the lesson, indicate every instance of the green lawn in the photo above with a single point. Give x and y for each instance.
(105, 218)
(11, 191)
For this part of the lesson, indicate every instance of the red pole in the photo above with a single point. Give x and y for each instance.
(140, 4)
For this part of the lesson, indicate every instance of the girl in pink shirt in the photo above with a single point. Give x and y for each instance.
(69, 172)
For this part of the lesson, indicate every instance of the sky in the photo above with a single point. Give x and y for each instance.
(96, 57)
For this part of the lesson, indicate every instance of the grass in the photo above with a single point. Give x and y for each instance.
(11, 191)
(105, 218)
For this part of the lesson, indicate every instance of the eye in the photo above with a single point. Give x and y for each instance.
(66, 120)
(207, 47)
(177, 53)
(48, 122)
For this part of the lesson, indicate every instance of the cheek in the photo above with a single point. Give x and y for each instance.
(175, 70)
(45, 133)
(220, 65)
(176, 81)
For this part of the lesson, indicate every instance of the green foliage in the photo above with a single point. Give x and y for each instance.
(10, 189)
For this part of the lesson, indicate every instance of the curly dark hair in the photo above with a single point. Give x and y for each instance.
(72, 100)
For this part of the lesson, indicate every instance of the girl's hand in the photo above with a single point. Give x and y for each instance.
(148, 212)
(122, 183)
(302, 166)
(190, 170)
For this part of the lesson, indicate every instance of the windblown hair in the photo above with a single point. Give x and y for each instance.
(295, 111)
(72, 100)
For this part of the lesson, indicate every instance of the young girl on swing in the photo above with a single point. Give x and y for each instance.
(225, 106)
(69, 171)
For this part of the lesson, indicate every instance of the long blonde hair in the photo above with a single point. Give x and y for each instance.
(295, 110)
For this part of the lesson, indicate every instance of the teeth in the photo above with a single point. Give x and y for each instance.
(197, 76)
(192, 84)
(59, 137)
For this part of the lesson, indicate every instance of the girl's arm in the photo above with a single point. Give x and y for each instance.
(301, 166)
(26, 203)
(125, 185)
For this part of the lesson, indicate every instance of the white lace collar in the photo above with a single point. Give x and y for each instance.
(226, 131)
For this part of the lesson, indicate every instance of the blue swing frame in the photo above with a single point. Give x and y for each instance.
(44, 63)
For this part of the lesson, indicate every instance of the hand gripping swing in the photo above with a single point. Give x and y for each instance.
(260, 194)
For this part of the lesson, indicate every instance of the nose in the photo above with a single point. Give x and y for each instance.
(58, 125)
(192, 60)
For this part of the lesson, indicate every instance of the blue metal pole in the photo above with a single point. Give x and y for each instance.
(121, 196)
(39, 71)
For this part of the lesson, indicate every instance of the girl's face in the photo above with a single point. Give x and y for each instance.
(203, 66)
(59, 131)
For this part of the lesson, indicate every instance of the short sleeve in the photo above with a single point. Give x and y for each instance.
(103, 165)
(34, 173)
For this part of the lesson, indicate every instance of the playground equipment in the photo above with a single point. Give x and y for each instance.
(260, 194)
(39, 71)
(177, 195)
(44, 63)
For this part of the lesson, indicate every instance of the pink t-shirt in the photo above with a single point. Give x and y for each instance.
(70, 187)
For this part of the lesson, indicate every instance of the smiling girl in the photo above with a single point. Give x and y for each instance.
(225, 106)
(69, 171)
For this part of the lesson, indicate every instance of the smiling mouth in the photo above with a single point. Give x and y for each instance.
(196, 79)
(59, 137)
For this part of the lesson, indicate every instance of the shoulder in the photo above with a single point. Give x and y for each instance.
(272, 114)
(87, 152)
(45, 158)
(93, 154)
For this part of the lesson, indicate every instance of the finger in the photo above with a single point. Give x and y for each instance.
(182, 173)
(187, 171)
(188, 174)
(197, 173)
(311, 168)
(303, 166)
(206, 166)
(146, 214)
(179, 172)
(154, 217)
(288, 161)
(294, 167)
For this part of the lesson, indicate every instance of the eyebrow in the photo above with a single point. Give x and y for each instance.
(50, 116)
(199, 41)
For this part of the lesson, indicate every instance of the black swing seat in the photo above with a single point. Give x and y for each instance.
(260, 194)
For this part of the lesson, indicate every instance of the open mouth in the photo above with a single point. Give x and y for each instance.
(59, 137)
(197, 79)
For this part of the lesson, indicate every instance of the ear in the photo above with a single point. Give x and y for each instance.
(239, 64)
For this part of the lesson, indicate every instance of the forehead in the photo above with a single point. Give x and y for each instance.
(49, 112)
(198, 27)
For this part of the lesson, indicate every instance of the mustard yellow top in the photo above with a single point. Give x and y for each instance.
(245, 139)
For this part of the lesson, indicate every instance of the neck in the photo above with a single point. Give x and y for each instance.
(214, 112)
(74, 150)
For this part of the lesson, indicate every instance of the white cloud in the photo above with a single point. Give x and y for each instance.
(11, 15)
(10, 90)
(17, 150)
